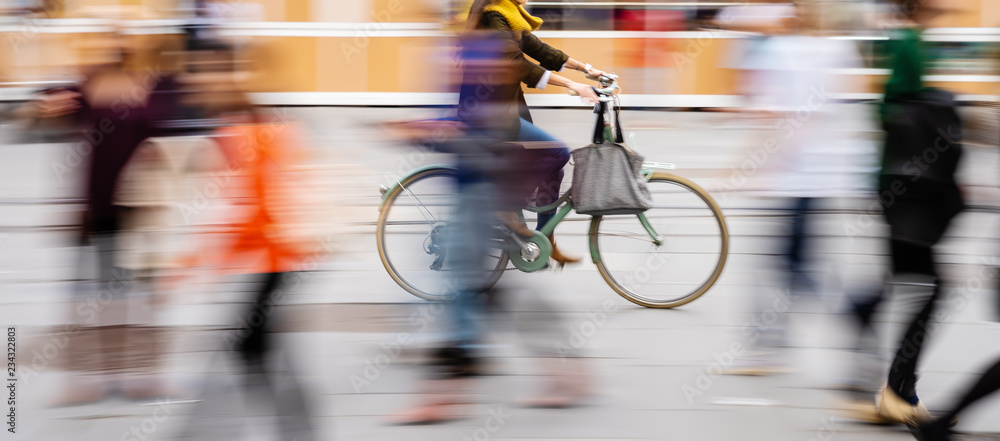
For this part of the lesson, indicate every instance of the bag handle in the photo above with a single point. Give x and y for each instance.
(599, 126)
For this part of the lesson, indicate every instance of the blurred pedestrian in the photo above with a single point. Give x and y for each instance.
(487, 163)
(261, 245)
(758, 22)
(791, 76)
(124, 96)
(919, 196)
(485, 121)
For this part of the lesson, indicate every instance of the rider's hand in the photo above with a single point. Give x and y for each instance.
(594, 72)
(584, 91)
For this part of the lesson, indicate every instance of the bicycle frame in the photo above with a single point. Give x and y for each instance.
(609, 86)
(563, 201)
(532, 251)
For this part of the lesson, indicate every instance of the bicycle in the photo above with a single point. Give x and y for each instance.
(628, 250)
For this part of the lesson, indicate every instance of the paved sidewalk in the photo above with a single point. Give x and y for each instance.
(655, 371)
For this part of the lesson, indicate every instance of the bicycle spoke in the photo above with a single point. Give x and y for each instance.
(414, 247)
(644, 237)
(419, 204)
(662, 276)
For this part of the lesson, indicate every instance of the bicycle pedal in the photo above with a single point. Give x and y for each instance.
(555, 266)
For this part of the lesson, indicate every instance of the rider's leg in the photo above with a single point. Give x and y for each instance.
(546, 163)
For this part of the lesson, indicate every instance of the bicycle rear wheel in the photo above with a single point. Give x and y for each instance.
(687, 261)
(412, 234)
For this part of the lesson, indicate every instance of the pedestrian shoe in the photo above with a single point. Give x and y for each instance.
(569, 384)
(864, 411)
(430, 413)
(932, 431)
(894, 408)
(441, 401)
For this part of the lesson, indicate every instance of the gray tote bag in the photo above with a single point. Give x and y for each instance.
(607, 177)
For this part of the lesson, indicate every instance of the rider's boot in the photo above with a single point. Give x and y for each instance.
(512, 220)
(559, 257)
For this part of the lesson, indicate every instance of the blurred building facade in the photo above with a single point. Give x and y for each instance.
(360, 51)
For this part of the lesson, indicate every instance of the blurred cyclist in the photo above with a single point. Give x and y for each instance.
(544, 164)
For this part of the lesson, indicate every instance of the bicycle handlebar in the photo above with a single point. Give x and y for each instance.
(608, 82)
(609, 86)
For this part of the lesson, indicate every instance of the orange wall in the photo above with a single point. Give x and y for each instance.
(397, 64)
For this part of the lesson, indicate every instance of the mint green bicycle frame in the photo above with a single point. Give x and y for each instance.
(567, 205)
(610, 86)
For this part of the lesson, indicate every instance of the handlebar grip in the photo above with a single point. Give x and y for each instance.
(573, 92)
(607, 77)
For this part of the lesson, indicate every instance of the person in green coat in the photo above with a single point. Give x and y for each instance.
(919, 200)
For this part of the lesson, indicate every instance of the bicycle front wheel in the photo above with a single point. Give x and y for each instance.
(414, 227)
(671, 254)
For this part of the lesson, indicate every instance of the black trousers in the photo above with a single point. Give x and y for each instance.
(909, 258)
(268, 380)
(916, 226)
(796, 253)
(254, 345)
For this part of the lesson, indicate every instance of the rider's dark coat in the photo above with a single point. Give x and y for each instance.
(519, 45)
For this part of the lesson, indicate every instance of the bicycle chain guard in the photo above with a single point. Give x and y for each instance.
(530, 254)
